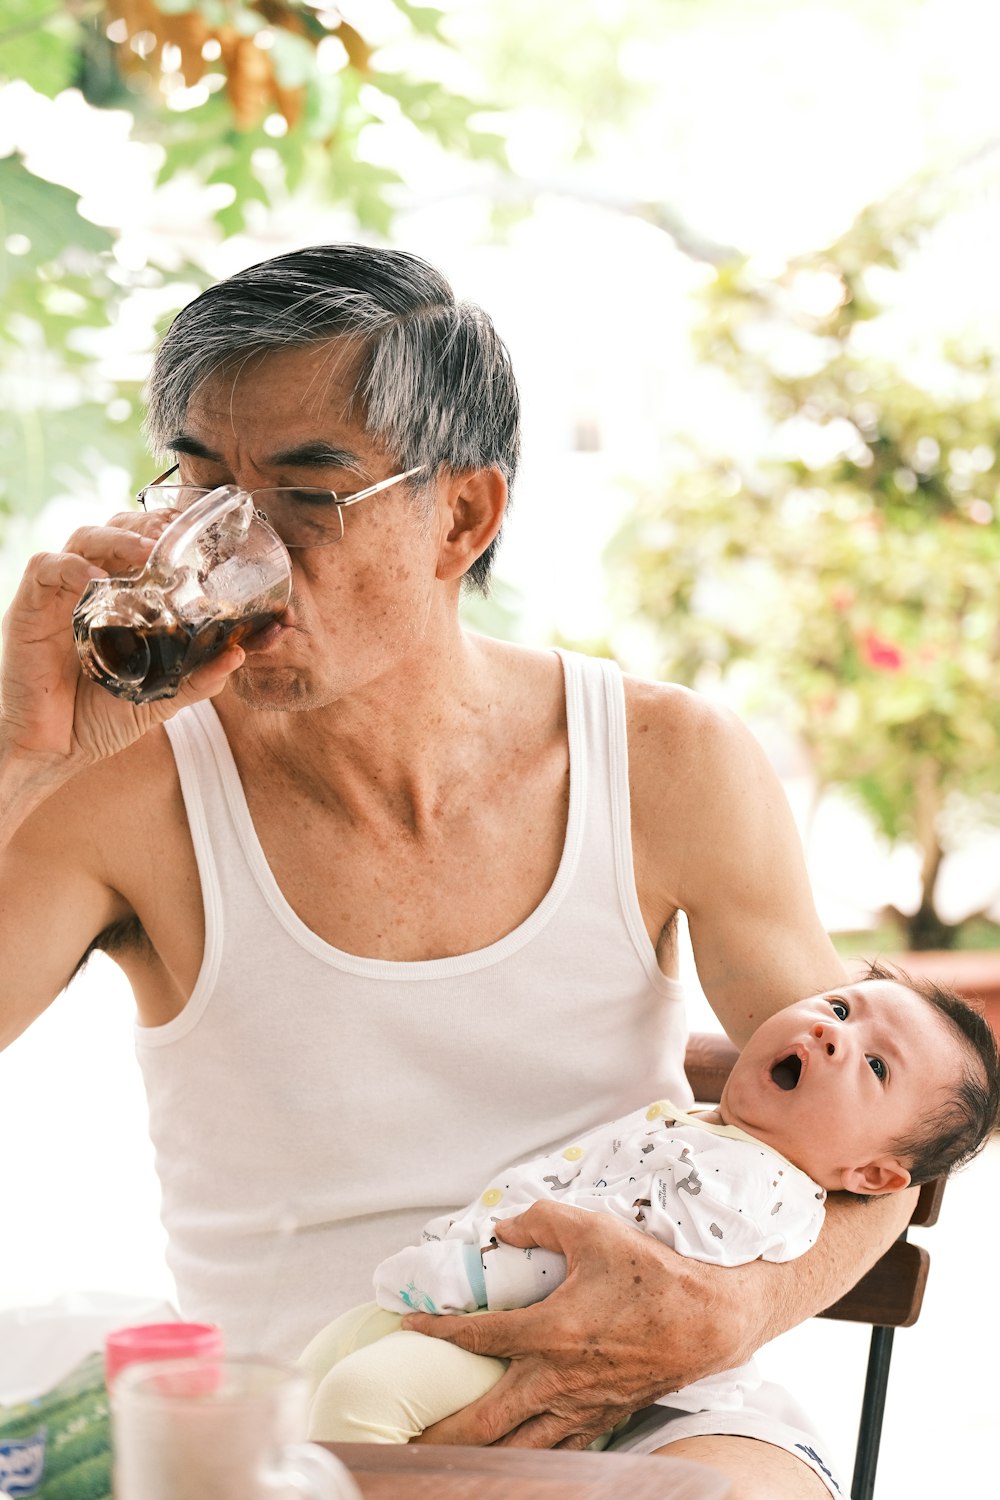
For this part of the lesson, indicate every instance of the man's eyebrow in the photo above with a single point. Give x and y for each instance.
(314, 453)
(181, 443)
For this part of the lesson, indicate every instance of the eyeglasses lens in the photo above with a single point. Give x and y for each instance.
(302, 517)
(171, 496)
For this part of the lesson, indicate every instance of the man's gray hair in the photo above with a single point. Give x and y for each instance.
(434, 379)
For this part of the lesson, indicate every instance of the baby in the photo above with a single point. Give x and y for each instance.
(866, 1089)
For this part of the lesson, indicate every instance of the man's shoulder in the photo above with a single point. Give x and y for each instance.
(670, 722)
(697, 780)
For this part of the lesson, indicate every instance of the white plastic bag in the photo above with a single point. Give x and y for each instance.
(40, 1345)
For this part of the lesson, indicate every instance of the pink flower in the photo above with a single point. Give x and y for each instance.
(881, 654)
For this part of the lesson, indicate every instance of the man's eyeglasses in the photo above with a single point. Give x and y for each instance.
(302, 516)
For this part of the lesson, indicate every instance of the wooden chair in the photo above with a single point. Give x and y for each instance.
(888, 1297)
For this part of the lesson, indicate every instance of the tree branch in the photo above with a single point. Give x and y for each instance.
(662, 216)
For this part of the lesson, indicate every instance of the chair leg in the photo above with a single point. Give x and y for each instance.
(872, 1408)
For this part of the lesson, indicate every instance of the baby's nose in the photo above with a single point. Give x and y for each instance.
(819, 1032)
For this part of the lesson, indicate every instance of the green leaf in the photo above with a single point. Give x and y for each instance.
(47, 453)
(44, 213)
(425, 19)
(38, 43)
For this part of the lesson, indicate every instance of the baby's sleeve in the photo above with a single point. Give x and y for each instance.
(729, 1208)
(439, 1276)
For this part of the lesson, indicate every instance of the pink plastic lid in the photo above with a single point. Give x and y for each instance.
(149, 1341)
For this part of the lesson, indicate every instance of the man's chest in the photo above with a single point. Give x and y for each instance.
(381, 888)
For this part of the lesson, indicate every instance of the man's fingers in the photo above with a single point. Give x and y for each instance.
(486, 1421)
(59, 572)
(528, 1408)
(52, 579)
(579, 1440)
(500, 1334)
(115, 543)
(91, 553)
(496, 1417)
(147, 522)
(210, 679)
(530, 1229)
(551, 1431)
(548, 1226)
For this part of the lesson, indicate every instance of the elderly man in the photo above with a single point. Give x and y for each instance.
(398, 902)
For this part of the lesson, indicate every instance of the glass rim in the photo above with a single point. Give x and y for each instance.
(134, 1379)
(263, 489)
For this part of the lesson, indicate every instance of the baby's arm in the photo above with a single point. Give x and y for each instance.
(439, 1276)
(448, 1275)
(727, 1208)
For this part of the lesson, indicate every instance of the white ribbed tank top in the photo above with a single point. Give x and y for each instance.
(311, 1108)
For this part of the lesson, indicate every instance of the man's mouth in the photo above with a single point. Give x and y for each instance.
(266, 636)
(787, 1071)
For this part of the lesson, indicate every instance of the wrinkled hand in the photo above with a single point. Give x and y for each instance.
(632, 1321)
(49, 709)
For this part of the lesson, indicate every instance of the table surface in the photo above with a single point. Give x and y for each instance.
(427, 1472)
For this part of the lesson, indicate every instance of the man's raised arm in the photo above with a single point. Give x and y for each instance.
(56, 729)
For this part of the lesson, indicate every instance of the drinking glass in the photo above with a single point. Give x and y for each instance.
(218, 574)
(218, 1429)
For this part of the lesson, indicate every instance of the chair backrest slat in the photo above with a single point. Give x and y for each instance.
(892, 1292)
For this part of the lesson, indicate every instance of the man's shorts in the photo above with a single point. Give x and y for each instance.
(768, 1414)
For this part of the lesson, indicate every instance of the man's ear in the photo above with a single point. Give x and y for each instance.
(884, 1175)
(475, 500)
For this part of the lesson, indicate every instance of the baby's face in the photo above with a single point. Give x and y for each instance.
(833, 1080)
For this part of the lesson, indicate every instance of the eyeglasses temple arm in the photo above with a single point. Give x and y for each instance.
(383, 484)
(141, 496)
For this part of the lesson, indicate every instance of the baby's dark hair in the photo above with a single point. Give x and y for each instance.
(960, 1128)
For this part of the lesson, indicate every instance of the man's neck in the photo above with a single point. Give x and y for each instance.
(405, 745)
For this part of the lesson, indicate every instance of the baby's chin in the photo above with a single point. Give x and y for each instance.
(801, 1154)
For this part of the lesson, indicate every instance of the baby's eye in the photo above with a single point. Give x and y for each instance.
(841, 1009)
(879, 1068)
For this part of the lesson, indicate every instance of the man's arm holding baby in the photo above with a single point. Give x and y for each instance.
(635, 1320)
(712, 836)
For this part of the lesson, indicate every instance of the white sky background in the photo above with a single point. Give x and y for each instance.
(771, 127)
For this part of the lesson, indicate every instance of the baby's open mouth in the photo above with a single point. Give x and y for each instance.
(787, 1071)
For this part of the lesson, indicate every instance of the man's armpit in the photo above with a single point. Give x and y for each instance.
(125, 936)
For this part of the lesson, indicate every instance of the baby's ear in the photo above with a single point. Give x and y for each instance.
(884, 1175)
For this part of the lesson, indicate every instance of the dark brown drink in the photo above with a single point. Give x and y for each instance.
(145, 662)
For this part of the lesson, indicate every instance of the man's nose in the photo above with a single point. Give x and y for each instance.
(824, 1035)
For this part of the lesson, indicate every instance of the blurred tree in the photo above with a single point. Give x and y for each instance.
(842, 572)
(263, 98)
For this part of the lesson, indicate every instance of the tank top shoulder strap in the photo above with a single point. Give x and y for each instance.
(595, 713)
(209, 784)
(208, 776)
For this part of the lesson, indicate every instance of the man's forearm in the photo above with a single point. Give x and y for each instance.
(854, 1236)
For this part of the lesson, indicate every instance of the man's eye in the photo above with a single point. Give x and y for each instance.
(312, 497)
(841, 1009)
(879, 1068)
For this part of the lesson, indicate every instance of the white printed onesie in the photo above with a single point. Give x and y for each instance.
(708, 1191)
